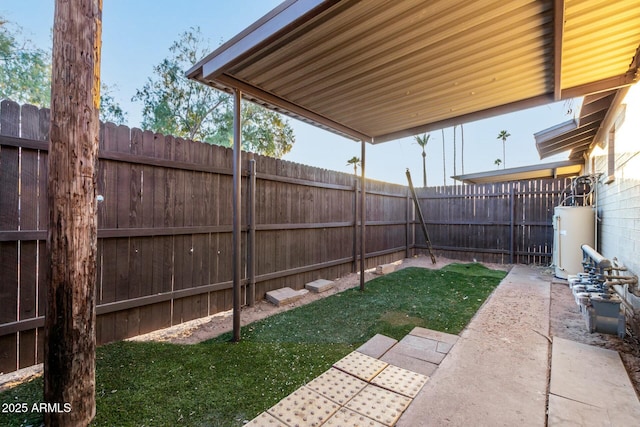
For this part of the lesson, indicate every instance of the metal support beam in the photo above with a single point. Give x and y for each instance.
(363, 214)
(558, 31)
(237, 205)
(251, 238)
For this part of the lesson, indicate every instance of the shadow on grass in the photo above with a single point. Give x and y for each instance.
(223, 384)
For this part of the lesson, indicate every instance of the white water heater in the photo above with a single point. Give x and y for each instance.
(573, 226)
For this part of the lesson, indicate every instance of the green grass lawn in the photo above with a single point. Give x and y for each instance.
(223, 384)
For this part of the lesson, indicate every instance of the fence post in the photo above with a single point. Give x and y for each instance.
(354, 267)
(408, 226)
(512, 217)
(236, 208)
(363, 214)
(251, 238)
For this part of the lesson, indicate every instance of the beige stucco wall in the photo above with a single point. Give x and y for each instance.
(619, 193)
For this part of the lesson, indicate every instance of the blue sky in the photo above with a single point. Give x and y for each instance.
(137, 35)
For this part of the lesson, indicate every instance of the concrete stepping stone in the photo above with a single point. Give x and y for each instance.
(285, 296)
(422, 354)
(265, 420)
(348, 418)
(360, 365)
(304, 407)
(443, 347)
(379, 404)
(434, 335)
(385, 269)
(377, 346)
(336, 385)
(320, 285)
(397, 358)
(400, 381)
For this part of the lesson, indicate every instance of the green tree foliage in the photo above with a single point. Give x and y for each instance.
(175, 105)
(25, 75)
(110, 110)
(25, 71)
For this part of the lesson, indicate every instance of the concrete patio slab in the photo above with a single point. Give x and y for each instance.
(596, 378)
(569, 413)
(377, 346)
(496, 373)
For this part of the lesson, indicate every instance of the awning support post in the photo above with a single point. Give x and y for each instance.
(237, 205)
(251, 238)
(363, 214)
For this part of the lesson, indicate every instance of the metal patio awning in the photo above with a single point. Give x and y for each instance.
(378, 70)
(546, 170)
(576, 135)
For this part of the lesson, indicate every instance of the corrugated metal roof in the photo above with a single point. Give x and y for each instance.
(383, 69)
(576, 135)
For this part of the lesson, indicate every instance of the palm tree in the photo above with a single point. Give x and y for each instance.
(497, 162)
(503, 135)
(422, 142)
(355, 161)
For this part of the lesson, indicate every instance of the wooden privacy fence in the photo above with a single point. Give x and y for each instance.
(164, 228)
(509, 222)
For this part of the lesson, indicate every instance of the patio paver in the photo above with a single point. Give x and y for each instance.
(359, 390)
(377, 346)
(589, 383)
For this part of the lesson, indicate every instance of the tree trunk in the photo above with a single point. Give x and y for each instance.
(504, 158)
(70, 340)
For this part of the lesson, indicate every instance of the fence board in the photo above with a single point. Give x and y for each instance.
(9, 220)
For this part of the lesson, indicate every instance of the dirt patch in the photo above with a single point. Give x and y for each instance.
(567, 322)
(397, 318)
